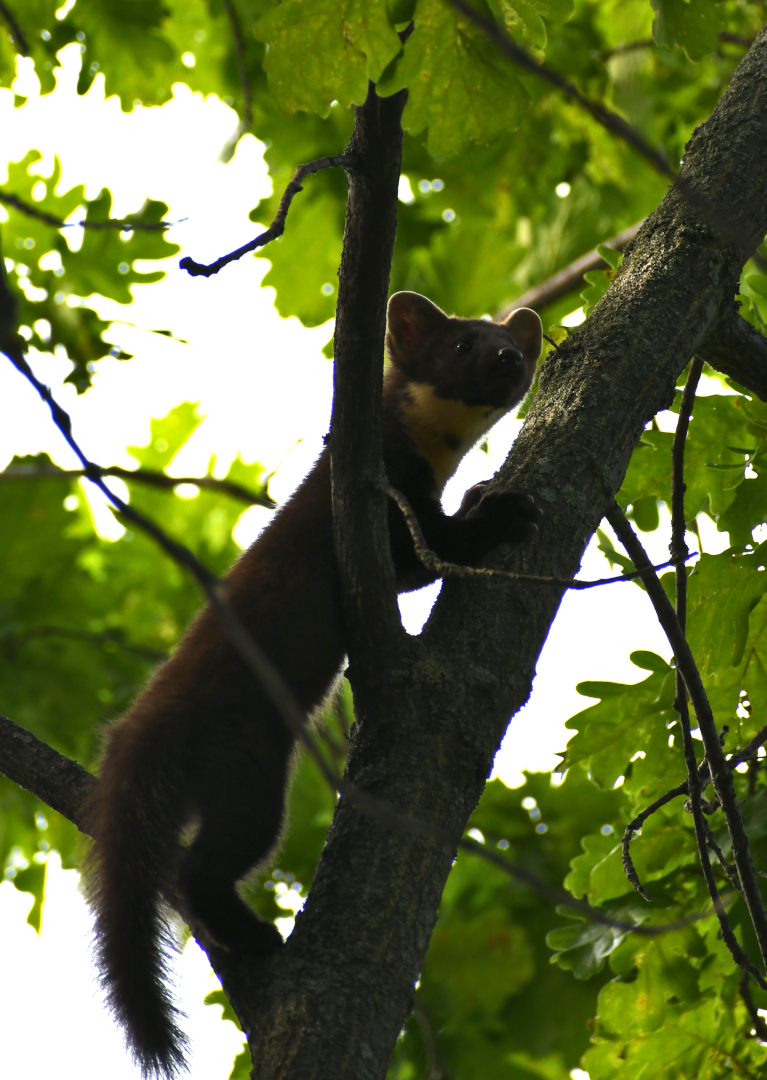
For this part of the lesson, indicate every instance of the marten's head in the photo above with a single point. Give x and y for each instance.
(473, 361)
(451, 379)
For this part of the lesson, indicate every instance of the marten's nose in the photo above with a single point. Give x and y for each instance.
(511, 356)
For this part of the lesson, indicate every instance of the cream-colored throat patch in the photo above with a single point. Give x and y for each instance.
(442, 429)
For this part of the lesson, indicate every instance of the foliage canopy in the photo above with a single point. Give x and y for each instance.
(504, 182)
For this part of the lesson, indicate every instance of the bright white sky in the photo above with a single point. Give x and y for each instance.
(269, 400)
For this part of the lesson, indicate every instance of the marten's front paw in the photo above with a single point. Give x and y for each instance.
(513, 515)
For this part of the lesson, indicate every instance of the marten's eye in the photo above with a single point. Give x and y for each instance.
(462, 346)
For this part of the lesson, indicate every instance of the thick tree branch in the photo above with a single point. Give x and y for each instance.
(277, 227)
(737, 349)
(56, 780)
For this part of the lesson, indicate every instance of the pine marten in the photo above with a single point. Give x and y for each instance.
(204, 746)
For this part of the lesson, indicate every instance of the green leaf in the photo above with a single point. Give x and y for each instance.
(458, 86)
(332, 68)
(693, 24)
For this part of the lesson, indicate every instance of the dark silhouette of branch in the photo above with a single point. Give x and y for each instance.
(56, 780)
(277, 227)
(720, 773)
(570, 277)
(19, 637)
(608, 119)
(242, 71)
(447, 569)
(13, 26)
(124, 224)
(142, 476)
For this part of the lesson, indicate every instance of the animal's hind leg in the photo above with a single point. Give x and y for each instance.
(239, 823)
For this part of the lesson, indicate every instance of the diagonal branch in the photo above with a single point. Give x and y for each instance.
(277, 227)
(56, 780)
(142, 476)
(608, 119)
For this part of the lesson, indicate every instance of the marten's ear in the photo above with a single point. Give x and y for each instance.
(526, 328)
(411, 318)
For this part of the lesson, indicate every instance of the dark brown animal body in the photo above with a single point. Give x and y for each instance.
(204, 746)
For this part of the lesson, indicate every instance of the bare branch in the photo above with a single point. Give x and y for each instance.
(13, 26)
(277, 227)
(124, 224)
(447, 569)
(142, 476)
(608, 119)
(53, 778)
(570, 277)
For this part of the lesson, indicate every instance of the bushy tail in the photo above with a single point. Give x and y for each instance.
(134, 818)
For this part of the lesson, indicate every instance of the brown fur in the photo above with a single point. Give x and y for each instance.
(204, 743)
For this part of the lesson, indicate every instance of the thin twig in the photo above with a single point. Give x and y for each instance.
(720, 773)
(277, 227)
(608, 119)
(124, 224)
(242, 71)
(15, 29)
(142, 476)
(447, 569)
